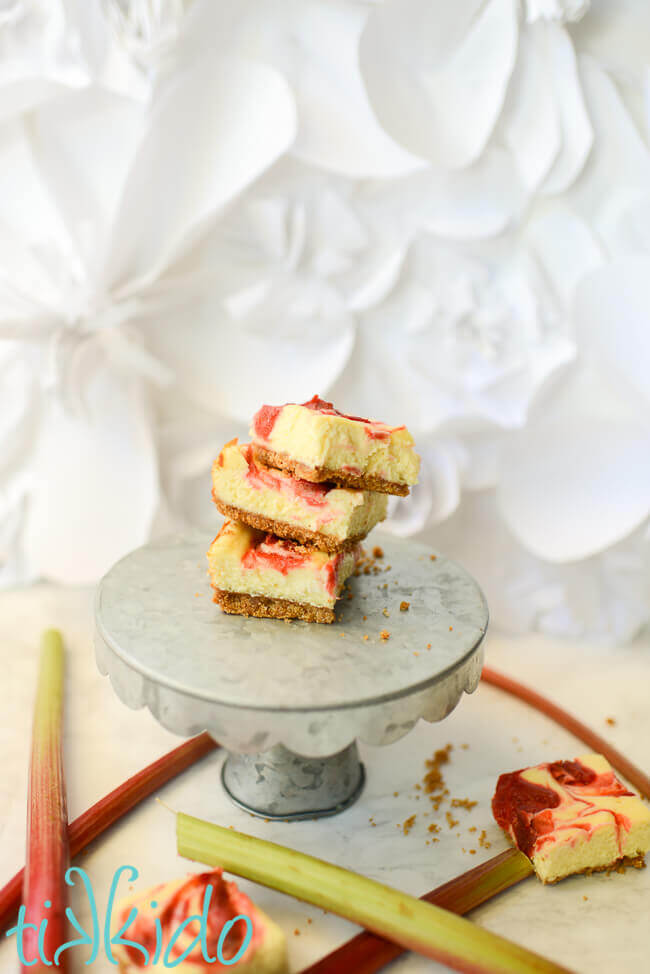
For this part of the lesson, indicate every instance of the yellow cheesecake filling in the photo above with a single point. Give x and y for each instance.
(571, 816)
(319, 436)
(242, 559)
(242, 481)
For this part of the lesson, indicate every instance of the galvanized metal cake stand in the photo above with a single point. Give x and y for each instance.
(289, 700)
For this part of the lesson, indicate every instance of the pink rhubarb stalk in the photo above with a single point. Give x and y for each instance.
(110, 809)
(44, 889)
(562, 717)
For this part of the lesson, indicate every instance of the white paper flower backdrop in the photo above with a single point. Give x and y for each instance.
(436, 213)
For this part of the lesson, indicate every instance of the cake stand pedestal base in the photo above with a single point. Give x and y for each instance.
(279, 784)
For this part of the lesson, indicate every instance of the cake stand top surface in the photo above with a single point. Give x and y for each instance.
(166, 645)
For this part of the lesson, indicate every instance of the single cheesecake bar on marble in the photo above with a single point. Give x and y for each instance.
(158, 915)
(314, 441)
(257, 574)
(572, 816)
(331, 518)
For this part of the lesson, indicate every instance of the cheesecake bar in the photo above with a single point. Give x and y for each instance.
(159, 912)
(572, 816)
(315, 442)
(257, 574)
(332, 518)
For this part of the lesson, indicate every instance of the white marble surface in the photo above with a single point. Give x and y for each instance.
(606, 933)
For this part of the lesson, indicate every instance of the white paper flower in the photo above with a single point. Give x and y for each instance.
(562, 11)
(100, 203)
(436, 213)
(603, 598)
(579, 480)
(463, 339)
(314, 44)
(610, 194)
(39, 54)
(292, 266)
(449, 80)
(458, 351)
(148, 29)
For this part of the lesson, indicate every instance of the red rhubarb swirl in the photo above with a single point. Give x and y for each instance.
(174, 903)
(532, 813)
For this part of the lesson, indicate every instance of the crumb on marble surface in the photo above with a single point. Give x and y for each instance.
(433, 781)
(465, 803)
(408, 824)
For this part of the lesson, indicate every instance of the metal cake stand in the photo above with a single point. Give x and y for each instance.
(289, 700)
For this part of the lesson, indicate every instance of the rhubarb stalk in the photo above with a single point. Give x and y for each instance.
(367, 953)
(44, 889)
(562, 717)
(410, 923)
(109, 809)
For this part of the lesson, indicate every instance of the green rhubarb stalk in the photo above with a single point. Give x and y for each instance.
(408, 922)
(47, 818)
(366, 953)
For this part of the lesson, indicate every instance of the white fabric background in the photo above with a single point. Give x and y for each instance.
(433, 213)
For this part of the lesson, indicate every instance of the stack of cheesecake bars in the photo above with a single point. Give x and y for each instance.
(299, 498)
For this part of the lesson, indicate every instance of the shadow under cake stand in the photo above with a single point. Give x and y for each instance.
(288, 700)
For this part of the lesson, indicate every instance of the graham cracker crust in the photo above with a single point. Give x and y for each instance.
(283, 530)
(342, 478)
(242, 604)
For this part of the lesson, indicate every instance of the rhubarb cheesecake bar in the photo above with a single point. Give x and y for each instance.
(315, 442)
(257, 574)
(572, 816)
(329, 517)
(161, 928)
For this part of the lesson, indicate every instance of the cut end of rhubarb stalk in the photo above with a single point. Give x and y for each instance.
(47, 819)
(408, 922)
